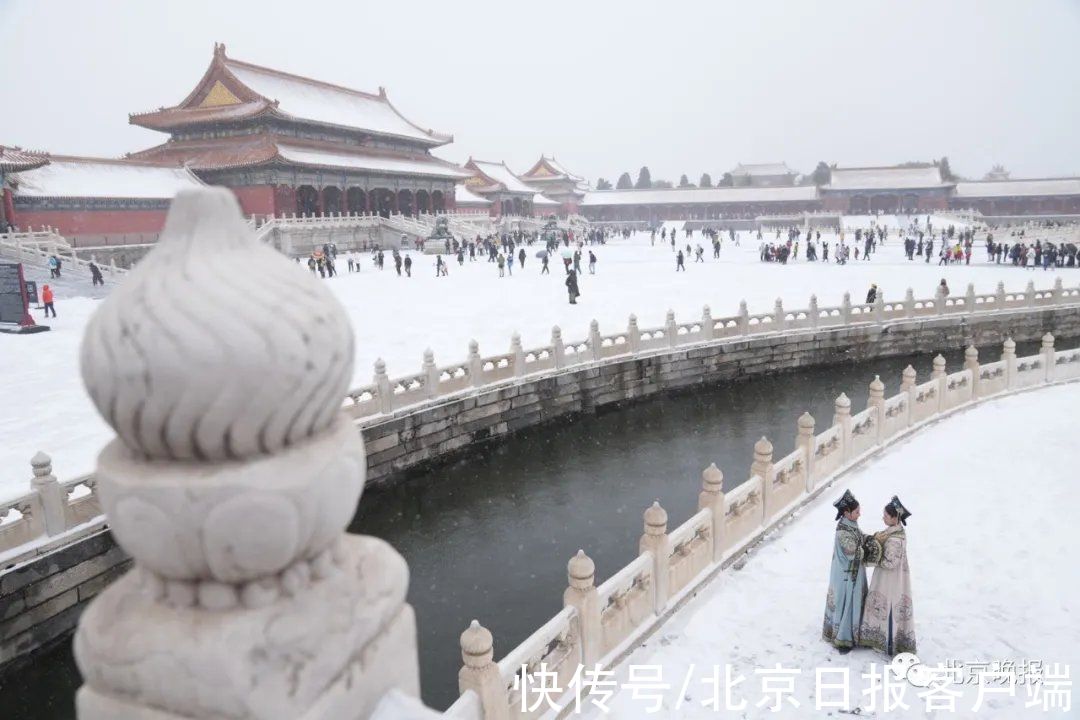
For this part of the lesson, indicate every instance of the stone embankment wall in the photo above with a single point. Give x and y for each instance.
(40, 601)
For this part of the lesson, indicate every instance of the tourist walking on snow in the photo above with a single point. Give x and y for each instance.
(679, 262)
(95, 275)
(572, 287)
(592, 263)
(47, 300)
(440, 267)
(408, 266)
(888, 619)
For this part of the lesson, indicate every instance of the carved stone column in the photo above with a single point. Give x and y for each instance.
(231, 481)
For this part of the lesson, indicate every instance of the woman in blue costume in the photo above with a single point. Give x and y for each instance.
(847, 578)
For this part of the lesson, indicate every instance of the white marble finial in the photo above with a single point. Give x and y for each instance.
(216, 347)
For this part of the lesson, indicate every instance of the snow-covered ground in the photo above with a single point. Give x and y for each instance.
(995, 576)
(44, 406)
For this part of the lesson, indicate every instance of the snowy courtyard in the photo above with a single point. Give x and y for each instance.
(989, 496)
(396, 318)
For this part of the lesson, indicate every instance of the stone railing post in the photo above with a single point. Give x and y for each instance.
(842, 417)
(558, 349)
(476, 364)
(581, 595)
(805, 440)
(712, 497)
(744, 318)
(247, 598)
(939, 300)
(907, 384)
(519, 355)
(909, 303)
(1008, 354)
(382, 387)
(671, 330)
(778, 316)
(763, 468)
(1059, 290)
(999, 296)
(1029, 294)
(633, 336)
(971, 362)
(595, 341)
(480, 673)
(876, 400)
(969, 299)
(53, 497)
(431, 375)
(879, 308)
(1048, 356)
(938, 373)
(813, 313)
(655, 541)
(845, 309)
(707, 324)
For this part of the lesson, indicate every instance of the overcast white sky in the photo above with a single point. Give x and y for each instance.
(683, 87)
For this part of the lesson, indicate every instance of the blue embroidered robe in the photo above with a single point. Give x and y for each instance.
(847, 587)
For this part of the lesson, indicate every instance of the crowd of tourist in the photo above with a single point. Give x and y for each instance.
(510, 250)
(503, 250)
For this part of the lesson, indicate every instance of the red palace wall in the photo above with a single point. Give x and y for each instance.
(256, 199)
(92, 222)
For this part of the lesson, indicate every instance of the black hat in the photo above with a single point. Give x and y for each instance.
(845, 503)
(899, 509)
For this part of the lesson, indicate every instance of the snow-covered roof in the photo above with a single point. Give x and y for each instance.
(502, 175)
(1018, 188)
(539, 199)
(691, 196)
(763, 169)
(325, 103)
(101, 178)
(231, 91)
(464, 196)
(886, 178)
(548, 168)
(310, 156)
(13, 159)
(562, 169)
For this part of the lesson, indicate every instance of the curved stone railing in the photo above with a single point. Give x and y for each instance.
(434, 383)
(599, 625)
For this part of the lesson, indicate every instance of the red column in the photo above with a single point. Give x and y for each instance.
(9, 209)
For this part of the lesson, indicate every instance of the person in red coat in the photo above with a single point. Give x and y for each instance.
(47, 300)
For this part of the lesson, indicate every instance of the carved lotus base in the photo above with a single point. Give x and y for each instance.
(329, 651)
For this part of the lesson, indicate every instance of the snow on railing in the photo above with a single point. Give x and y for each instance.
(50, 509)
(598, 626)
(37, 246)
(478, 372)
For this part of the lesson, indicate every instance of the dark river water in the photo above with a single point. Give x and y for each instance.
(488, 535)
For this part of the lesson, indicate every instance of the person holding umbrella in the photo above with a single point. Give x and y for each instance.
(543, 255)
(572, 286)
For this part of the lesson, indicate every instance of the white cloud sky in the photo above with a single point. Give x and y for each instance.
(684, 87)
